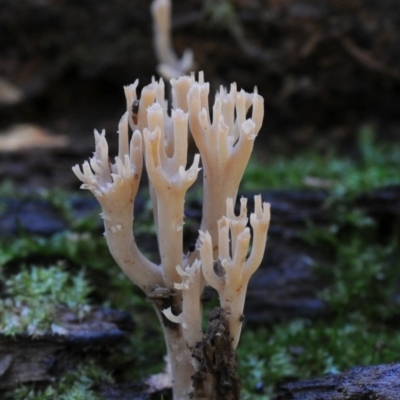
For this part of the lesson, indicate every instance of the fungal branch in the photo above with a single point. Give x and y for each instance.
(115, 186)
(169, 65)
(159, 140)
(225, 144)
(232, 277)
(170, 181)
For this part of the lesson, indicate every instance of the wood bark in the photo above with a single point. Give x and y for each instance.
(28, 359)
(379, 382)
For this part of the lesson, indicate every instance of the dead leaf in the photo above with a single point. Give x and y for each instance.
(26, 136)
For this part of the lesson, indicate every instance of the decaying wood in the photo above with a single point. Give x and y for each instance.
(285, 285)
(135, 391)
(27, 359)
(217, 361)
(379, 382)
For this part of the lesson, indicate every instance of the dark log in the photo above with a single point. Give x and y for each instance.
(139, 391)
(285, 286)
(291, 210)
(379, 382)
(27, 359)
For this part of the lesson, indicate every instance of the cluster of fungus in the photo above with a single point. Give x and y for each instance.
(222, 258)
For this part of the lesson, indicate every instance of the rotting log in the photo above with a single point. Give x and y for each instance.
(28, 359)
(379, 382)
(133, 391)
(285, 286)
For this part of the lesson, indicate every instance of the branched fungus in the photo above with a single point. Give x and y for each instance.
(221, 257)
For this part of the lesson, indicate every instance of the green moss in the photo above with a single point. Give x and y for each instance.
(62, 201)
(359, 266)
(31, 296)
(363, 279)
(84, 248)
(376, 165)
(305, 349)
(29, 304)
(74, 385)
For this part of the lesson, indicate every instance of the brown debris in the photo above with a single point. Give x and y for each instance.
(26, 136)
(217, 360)
(162, 299)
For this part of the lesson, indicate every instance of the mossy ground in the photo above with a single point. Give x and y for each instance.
(74, 268)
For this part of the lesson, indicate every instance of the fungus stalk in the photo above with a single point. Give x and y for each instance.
(159, 141)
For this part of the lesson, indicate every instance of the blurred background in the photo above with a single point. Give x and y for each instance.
(327, 158)
(325, 68)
